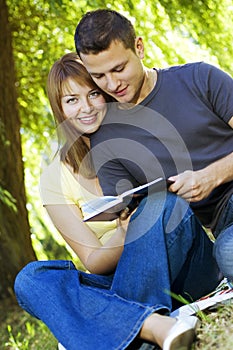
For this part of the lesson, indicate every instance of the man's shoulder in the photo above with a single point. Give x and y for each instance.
(191, 66)
(192, 69)
(193, 75)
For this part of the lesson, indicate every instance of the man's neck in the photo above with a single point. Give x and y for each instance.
(150, 80)
(148, 84)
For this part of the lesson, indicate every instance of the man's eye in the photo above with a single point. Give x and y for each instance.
(119, 69)
(97, 76)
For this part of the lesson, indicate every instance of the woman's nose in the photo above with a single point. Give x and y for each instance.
(86, 106)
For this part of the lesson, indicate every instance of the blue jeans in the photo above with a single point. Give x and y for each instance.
(166, 250)
(223, 247)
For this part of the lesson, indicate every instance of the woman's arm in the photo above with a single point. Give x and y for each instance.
(97, 258)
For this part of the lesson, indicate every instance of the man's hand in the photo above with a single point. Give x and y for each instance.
(192, 185)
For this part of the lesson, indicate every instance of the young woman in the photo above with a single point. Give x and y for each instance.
(124, 298)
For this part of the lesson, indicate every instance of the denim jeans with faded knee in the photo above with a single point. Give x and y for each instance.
(166, 250)
(223, 247)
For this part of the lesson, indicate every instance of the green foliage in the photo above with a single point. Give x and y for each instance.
(15, 341)
(28, 333)
(174, 31)
(3, 138)
(206, 23)
(7, 199)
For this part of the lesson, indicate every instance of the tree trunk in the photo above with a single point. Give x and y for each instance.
(15, 244)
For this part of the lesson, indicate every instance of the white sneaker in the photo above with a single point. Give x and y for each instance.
(60, 347)
(182, 334)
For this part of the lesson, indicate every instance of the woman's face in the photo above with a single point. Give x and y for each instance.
(86, 107)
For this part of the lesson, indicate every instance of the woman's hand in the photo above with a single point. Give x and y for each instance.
(127, 211)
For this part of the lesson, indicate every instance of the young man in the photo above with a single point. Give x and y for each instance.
(195, 100)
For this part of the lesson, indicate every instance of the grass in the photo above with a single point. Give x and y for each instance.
(216, 330)
(20, 331)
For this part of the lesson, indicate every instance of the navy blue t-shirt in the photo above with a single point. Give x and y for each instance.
(181, 125)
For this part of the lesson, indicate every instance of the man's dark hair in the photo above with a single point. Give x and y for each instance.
(98, 29)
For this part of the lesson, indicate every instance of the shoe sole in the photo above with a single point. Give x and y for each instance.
(185, 339)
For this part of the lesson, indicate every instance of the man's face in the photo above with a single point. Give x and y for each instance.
(118, 71)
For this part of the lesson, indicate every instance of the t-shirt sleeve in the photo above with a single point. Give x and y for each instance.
(114, 178)
(55, 187)
(58, 186)
(217, 86)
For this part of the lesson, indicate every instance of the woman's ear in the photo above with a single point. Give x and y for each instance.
(139, 47)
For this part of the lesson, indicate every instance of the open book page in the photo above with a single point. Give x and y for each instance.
(218, 297)
(108, 207)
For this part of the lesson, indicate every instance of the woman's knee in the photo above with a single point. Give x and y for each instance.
(25, 281)
(24, 276)
(24, 286)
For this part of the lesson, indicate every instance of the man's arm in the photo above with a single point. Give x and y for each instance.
(197, 185)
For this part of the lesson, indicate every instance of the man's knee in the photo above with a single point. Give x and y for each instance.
(223, 252)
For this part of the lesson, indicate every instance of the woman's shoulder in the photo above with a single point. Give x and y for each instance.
(57, 185)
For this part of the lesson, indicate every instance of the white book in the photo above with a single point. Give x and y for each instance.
(222, 294)
(107, 208)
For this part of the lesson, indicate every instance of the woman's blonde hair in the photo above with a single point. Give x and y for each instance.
(74, 151)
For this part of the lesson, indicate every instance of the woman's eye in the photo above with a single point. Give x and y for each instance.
(94, 94)
(71, 100)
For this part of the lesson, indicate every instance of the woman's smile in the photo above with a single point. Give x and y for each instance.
(84, 105)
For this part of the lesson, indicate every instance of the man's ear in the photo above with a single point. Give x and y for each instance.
(139, 47)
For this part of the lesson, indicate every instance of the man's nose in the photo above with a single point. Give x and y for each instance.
(112, 83)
